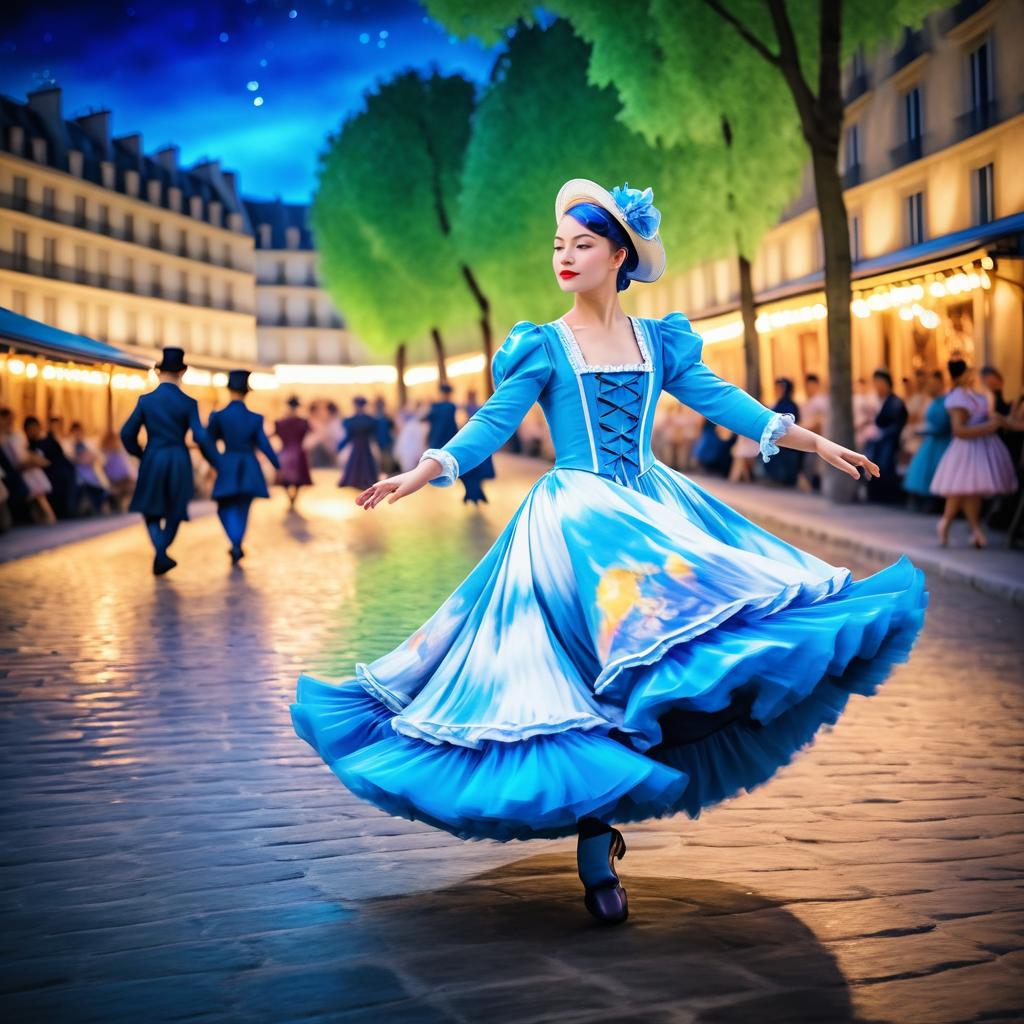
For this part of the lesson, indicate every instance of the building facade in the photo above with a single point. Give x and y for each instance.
(296, 322)
(932, 150)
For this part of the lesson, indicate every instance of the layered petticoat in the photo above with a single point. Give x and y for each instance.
(619, 652)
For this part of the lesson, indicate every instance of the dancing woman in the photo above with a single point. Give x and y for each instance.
(630, 647)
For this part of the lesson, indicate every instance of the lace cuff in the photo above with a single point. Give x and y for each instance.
(449, 465)
(773, 430)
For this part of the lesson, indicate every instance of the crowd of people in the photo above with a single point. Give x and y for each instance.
(947, 442)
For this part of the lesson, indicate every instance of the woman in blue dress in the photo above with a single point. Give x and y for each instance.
(630, 647)
(937, 431)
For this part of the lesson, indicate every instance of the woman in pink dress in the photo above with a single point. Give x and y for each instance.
(294, 471)
(976, 464)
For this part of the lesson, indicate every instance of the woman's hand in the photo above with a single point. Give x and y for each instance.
(398, 486)
(845, 459)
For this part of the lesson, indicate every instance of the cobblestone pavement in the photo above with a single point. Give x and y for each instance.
(171, 851)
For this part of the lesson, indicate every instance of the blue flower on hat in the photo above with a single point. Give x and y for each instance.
(638, 209)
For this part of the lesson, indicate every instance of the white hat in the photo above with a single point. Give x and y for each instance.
(635, 212)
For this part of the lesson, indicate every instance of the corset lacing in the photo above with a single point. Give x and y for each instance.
(619, 397)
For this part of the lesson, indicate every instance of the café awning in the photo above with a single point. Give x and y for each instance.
(25, 335)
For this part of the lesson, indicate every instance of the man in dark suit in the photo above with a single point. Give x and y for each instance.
(165, 484)
(239, 476)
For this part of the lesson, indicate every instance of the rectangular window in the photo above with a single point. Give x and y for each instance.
(154, 235)
(49, 201)
(129, 227)
(103, 260)
(105, 219)
(981, 78)
(311, 312)
(984, 197)
(80, 211)
(915, 218)
(20, 250)
(80, 273)
(229, 295)
(156, 285)
(50, 310)
(82, 316)
(49, 255)
(102, 322)
(912, 115)
(19, 303)
(852, 149)
(20, 193)
(855, 249)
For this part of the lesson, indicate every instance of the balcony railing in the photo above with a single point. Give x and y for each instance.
(911, 48)
(977, 120)
(334, 322)
(10, 201)
(907, 152)
(95, 279)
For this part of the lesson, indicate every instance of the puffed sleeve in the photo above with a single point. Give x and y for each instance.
(688, 378)
(521, 368)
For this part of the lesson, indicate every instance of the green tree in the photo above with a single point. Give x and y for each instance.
(382, 213)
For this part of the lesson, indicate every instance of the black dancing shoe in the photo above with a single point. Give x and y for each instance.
(604, 897)
(163, 563)
(237, 554)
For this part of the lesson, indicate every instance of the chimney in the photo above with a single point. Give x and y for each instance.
(206, 168)
(96, 126)
(131, 143)
(231, 181)
(167, 157)
(46, 103)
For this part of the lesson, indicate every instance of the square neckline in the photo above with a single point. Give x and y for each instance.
(575, 354)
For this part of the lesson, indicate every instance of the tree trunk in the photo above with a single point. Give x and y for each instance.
(838, 265)
(751, 341)
(486, 333)
(442, 367)
(400, 390)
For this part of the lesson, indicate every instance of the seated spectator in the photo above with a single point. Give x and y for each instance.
(118, 470)
(60, 469)
(31, 465)
(89, 483)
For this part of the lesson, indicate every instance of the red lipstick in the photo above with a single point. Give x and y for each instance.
(566, 274)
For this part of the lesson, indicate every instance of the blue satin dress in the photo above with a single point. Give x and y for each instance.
(630, 647)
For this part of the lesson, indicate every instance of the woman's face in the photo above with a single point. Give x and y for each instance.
(583, 261)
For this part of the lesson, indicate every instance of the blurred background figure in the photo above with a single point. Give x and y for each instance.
(815, 412)
(977, 463)
(935, 433)
(883, 448)
(385, 435)
(87, 477)
(30, 469)
(472, 481)
(784, 468)
(359, 431)
(60, 470)
(411, 440)
(292, 431)
(713, 452)
(118, 470)
(441, 418)
(865, 409)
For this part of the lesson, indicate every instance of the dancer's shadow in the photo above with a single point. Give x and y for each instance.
(297, 526)
(516, 943)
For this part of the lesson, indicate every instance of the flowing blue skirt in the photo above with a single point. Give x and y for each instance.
(623, 653)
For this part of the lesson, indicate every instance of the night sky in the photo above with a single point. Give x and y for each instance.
(255, 83)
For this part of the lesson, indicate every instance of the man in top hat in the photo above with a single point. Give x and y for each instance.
(360, 430)
(165, 484)
(239, 476)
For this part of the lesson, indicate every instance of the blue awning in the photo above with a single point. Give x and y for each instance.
(31, 336)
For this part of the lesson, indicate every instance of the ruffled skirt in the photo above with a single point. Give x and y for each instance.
(623, 653)
(975, 465)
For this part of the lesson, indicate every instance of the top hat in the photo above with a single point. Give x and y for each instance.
(238, 380)
(293, 402)
(650, 250)
(447, 389)
(172, 361)
(359, 401)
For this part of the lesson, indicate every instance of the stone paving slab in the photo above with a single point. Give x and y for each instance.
(169, 849)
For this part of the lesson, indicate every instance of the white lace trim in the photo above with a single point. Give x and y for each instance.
(773, 430)
(449, 465)
(579, 365)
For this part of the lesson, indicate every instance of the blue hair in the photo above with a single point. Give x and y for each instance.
(597, 219)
